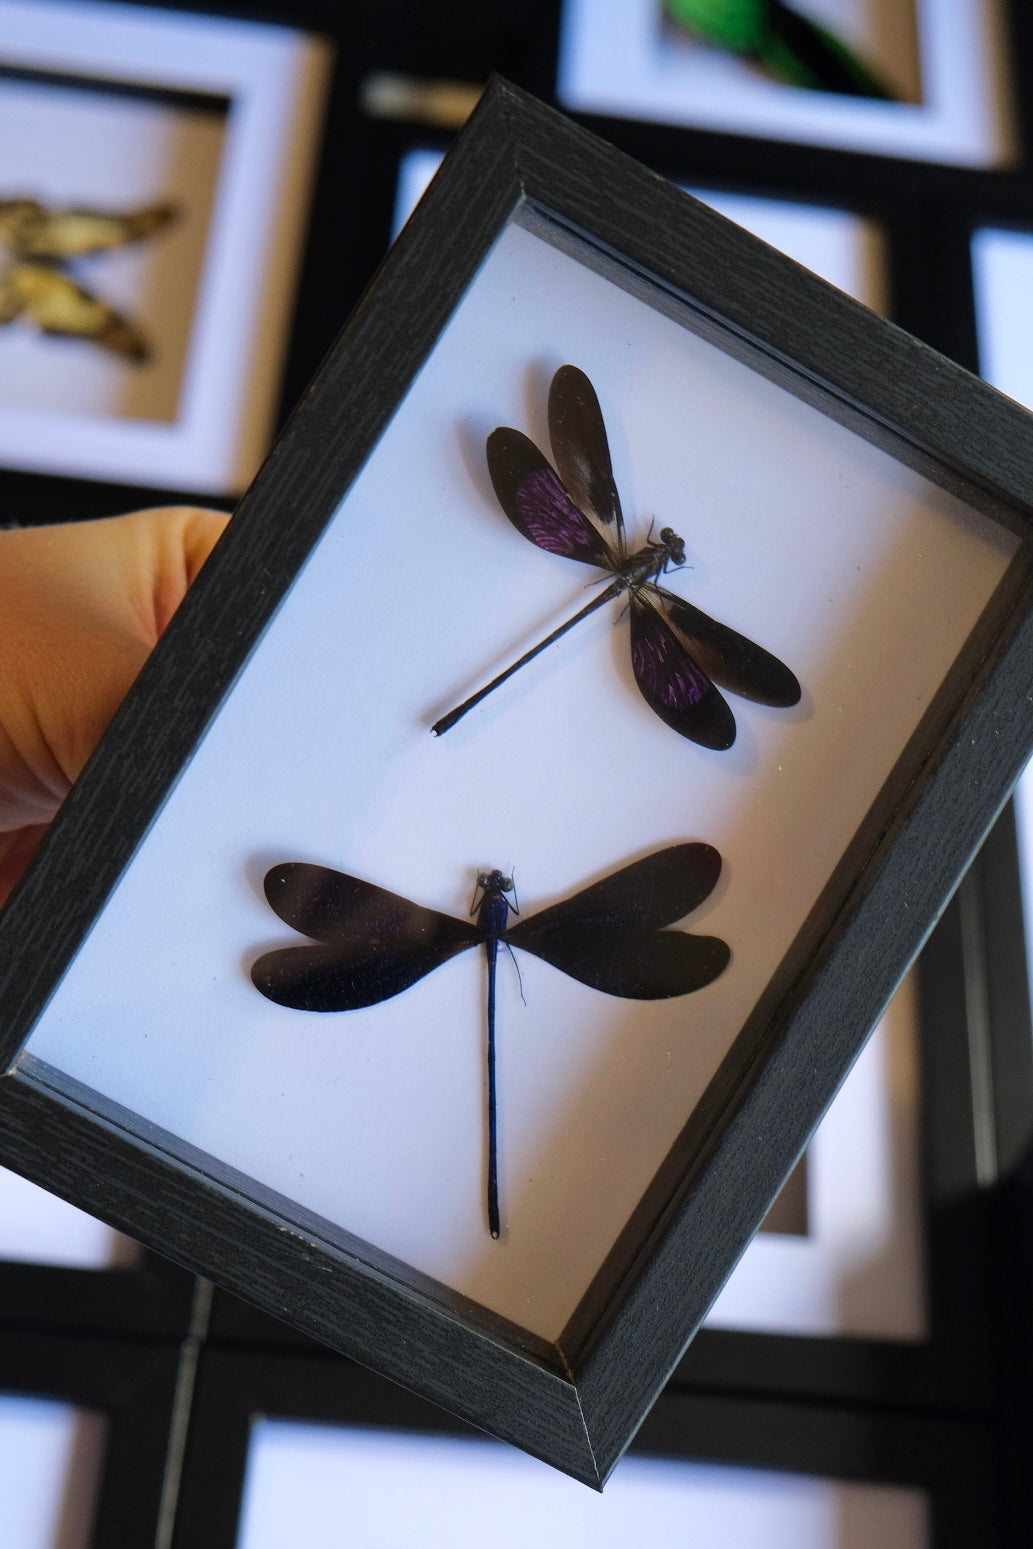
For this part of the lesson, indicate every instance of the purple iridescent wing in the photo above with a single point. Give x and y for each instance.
(671, 682)
(532, 494)
(376, 943)
(730, 658)
(610, 935)
(581, 451)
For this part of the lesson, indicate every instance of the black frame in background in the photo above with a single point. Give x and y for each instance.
(928, 212)
(141, 1389)
(953, 1460)
(150, 1297)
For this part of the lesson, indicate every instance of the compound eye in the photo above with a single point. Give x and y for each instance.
(506, 884)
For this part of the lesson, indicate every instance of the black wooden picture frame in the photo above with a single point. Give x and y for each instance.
(576, 1400)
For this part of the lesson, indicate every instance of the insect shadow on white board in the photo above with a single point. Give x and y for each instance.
(679, 654)
(374, 944)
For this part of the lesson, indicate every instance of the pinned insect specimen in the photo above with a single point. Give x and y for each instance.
(374, 944)
(678, 653)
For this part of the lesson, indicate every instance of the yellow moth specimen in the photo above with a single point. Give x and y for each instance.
(34, 244)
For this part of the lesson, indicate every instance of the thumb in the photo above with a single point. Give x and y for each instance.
(81, 607)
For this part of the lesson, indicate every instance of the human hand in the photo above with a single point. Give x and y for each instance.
(81, 607)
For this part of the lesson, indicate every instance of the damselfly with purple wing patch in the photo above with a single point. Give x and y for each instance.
(678, 653)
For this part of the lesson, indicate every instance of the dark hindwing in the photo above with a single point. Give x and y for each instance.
(671, 681)
(633, 962)
(346, 977)
(376, 943)
(731, 659)
(609, 936)
(582, 453)
(532, 494)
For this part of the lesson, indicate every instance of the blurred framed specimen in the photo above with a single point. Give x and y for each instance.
(155, 170)
(842, 1253)
(84, 1425)
(294, 1437)
(708, 896)
(855, 1198)
(924, 79)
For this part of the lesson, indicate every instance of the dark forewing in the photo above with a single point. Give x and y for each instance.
(608, 935)
(657, 890)
(581, 450)
(532, 495)
(672, 683)
(630, 960)
(731, 659)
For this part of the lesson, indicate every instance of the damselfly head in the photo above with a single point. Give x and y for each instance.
(674, 545)
(494, 882)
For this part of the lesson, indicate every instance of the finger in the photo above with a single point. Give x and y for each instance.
(81, 607)
(16, 851)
